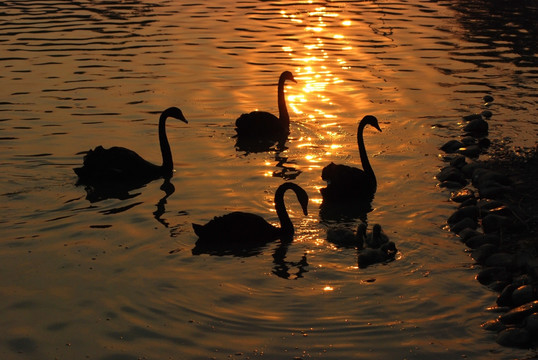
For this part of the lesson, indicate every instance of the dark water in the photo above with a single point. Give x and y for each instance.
(116, 279)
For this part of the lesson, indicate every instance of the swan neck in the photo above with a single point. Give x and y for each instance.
(167, 166)
(286, 226)
(364, 157)
(282, 109)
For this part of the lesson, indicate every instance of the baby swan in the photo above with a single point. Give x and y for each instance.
(376, 238)
(343, 236)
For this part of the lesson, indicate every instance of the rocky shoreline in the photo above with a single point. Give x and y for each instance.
(497, 219)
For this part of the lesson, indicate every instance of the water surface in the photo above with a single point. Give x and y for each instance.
(116, 279)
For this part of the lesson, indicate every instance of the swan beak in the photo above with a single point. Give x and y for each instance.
(378, 128)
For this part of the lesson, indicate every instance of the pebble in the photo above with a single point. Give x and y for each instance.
(493, 325)
(531, 323)
(500, 259)
(482, 239)
(476, 126)
(472, 117)
(451, 146)
(523, 295)
(481, 253)
(468, 233)
(493, 223)
(463, 224)
(458, 161)
(514, 337)
(472, 151)
(489, 275)
(462, 213)
(519, 313)
(462, 195)
(505, 297)
(469, 169)
(488, 98)
(468, 140)
(487, 114)
(450, 173)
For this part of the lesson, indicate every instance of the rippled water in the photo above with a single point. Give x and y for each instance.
(116, 279)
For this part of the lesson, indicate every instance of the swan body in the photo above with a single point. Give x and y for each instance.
(262, 124)
(345, 182)
(243, 230)
(343, 236)
(370, 256)
(118, 165)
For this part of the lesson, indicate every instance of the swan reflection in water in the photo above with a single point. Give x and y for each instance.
(245, 234)
(350, 191)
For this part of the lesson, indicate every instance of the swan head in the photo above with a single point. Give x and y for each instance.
(287, 75)
(371, 120)
(175, 113)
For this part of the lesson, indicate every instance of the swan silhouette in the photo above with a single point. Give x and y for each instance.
(343, 236)
(264, 125)
(376, 238)
(346, 182)
(240, 230)
(124, 168)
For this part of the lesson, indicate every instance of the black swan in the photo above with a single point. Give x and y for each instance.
(264, 125)
(377, 237)
(124, 167)
(239, 230)
(349, 183)
(344, 236)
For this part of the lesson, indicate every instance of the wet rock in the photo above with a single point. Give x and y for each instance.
(505, 297)
(514, 337)
(482, 239)
(493, 223)
(523, 295)
(462, 213)
(450, 173)
(486, 114)
(493, 190)
(469, 169)
(493, 325)
(498, 285)
(519, 313)
(462, 195)
(487, 98)
(487, 204)
(472, 151)
(451, 185)
(484, 142)
(463, 224)
(481, 253)
(468, 202)
(476, 126)
(472, 117)
(489, 275)
(468, 140)
(500, 259)
(501, 211)
(483, 176)
(458, 161)
(468, 233)
(531, 323)
(451, 146)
